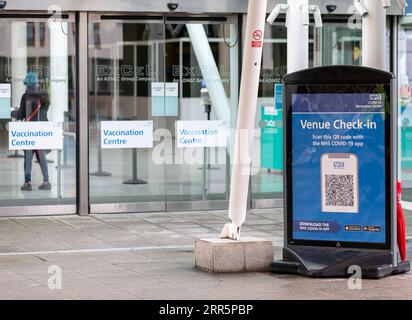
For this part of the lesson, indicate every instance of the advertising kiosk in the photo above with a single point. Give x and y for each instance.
(340, 177)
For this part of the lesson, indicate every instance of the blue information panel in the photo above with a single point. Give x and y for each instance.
(338, 167)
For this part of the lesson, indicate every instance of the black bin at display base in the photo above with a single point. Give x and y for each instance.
(340, 160)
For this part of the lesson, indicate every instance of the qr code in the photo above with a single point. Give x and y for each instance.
(339, 190)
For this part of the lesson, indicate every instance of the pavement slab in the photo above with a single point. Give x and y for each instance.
(151, 256)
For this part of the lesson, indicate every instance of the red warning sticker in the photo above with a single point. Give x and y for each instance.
(257, 39)
(256, 44)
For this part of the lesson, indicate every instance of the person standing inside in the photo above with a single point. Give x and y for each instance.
(34, 105)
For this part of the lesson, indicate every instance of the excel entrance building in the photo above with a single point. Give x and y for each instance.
(137, 99)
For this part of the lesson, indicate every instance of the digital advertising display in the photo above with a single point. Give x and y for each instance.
(339, 174)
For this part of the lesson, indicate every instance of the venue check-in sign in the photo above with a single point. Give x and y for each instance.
(35, 135)
(341, 152)
(126, 134)
(340, 172)
(201, 134)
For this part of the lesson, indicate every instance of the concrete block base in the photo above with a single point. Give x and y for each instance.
(225, 255)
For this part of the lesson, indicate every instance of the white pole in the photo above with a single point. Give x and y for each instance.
(59, 82)
(298, 37)
(18, 60)
(209, 70)
(249, 85)
(373, 35)
(234, 95)
(234, 74)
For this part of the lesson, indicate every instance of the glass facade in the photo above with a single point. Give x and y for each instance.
(267, 162)
(163, 74)
(336, 43)
(267, 181)
(404, 102)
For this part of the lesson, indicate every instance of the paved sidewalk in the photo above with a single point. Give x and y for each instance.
(150, 256)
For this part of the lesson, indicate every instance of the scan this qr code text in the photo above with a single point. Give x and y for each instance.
(339, 190)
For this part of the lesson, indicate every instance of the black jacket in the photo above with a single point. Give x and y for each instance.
(28, 105)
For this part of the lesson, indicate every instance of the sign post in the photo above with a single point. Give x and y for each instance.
(340, 173)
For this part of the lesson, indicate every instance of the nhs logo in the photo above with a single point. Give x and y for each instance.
(338, 165)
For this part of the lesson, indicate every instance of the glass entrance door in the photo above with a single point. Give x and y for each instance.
(37, 115)
(202, 63)
(126, 66)
(154, 82)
